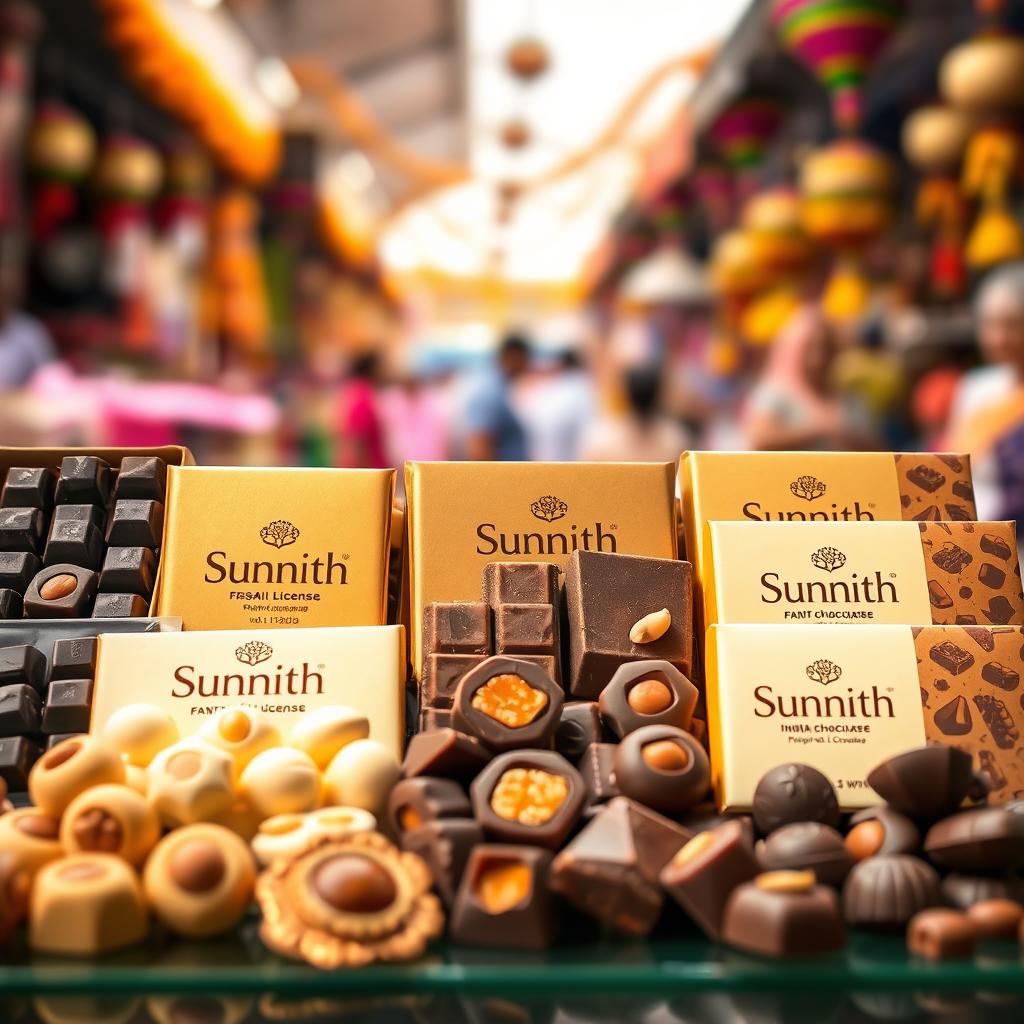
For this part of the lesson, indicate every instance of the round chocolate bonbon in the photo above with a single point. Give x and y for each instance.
(70, 768)
(791, 793)
(662, 767)
(508, 704)
(886, 892)
(110, 819)
(281, 780)
(878, 831)
(647, 693)
(528, 796)
(925, 783)
(807, 845)
(138, 732)
(982, 839)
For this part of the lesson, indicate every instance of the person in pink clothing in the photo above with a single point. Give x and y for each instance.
(360, 429)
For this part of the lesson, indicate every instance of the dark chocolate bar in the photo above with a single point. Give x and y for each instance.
(141, 477)
(136, 524)
(21, 529)
(68, 706)
(28, 487)
(83, 480)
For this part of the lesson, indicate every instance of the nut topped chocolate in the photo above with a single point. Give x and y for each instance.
(807, 846)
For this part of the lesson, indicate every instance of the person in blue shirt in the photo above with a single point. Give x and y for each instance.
(493, 430)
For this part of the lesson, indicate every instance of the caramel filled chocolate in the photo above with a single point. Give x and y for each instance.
(61, 592)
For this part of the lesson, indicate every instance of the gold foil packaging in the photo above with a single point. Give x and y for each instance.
(273, 548)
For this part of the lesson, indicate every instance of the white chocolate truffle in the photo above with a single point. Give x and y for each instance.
(199, 880)
(281, 780)
(32, 837)
(241, 732)
(191, 781)
(323, 732)
(70, 768)
(362, 775)
(288, 835)
(137, 778)
(241, 817)
(86, 904)
(110, 819)
(138, 732)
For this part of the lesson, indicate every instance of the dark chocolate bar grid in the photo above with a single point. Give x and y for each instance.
(85, 519)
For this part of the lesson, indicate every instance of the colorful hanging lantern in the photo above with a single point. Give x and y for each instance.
(59, 150)
(838, 40)
(773, 218)
(745, 129)
(715, 195)
(128, 170)
(983, 73)
(736, 267)
(847, 194)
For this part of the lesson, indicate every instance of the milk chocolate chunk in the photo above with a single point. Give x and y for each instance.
(119, 606)
(457, 628)
(416, 801)
(28, 487)
(528, 796)
(1002, 676)
(75, 541)
(23, 664)
(924, 783)
(141, 477)
(996, 919)
(963, 891)
(662, 767)
(611, 869)
(520, 583)
(68, 706)
(794, 793)
(17, 569)
(20, 710)
(807, 846)
(606, 595)
(647, 693)
(17, 756)
(880, 831)
(73, 658)
(978, 840)
(442, 674)
(21, 529)
(952, 658)
(940, 934)
(444, 846)
(136, 523)
(597, 766)
(886, 892)
(525, 628)
(83, 480)
(10, 604)
(445, 753)
(61, 592)
(128, 570)
(504, 899)
(703, 874)
(782, 914)
(508, 703)
(579, 725)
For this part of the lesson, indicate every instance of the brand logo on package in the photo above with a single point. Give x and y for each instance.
(279, 534)
(823, 671)
(810, 488)
(828, 558)
(253, 652)
(549, 508)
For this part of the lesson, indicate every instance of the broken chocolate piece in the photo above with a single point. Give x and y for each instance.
(445, 753)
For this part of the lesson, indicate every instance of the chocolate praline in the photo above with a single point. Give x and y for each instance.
(878, 831)
(579, 725)
(647, 693)
(791, 793)
(662, 767)
(807, 846)
(924, 783)
(886, 892)
(528, 796)
(982, 839)
(963, 891)
(415, 802)
(508, 704)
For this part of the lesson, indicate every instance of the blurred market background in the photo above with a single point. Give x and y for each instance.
(363, 231)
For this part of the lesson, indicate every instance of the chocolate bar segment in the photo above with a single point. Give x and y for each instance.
(28, 487)
(83, 480)
(606, 596)
(20, 710)
(21, 529)
(22, 663)
(74, 541)
(73, 658)
(457, 628)
(141, 477)
(130, 570)
(68, 706)
(94, 514)
(119, 606)
(136, 524)
(925, 477)
(17, 569)
(442, 674)
(525, 629)
(520, 583)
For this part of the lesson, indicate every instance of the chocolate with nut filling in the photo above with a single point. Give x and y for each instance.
(414, 802)
(662, 767)
(880, 831)
(528, 796)
(924, 783)
(508, 703)
(647, 693)
(504, 899)
(610, 870)
(807, 846)
(607, 595)
(444, 845)
(703, 874)
(61, 592)
(446, 753)
(982, 839)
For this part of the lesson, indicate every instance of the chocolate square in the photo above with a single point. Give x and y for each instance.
(28, 487)
(605, 596)
(17, 755)
(445, 846)
(128, 571)
(68, 706)
(74, 541)
(136, 524)
(20, 710)
(23, 664)
(520, 583)
(17, 569)
(441, 675)
(10, 604)
(525, 629)
(95, 514)
(119, 606)
(74, 658)
(40, 603)
(141, 476)
(462, 627)
(83, 480)
(21, 529)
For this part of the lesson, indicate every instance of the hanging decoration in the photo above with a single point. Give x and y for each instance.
(838, 40)
(60, 149)
(527, 58)
(715, 196)
(744, 131)
(934, 139)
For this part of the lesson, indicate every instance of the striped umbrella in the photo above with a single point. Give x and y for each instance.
(838, 40)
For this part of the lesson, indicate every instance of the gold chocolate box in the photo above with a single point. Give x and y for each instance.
(463, 515)
(887, 572)
(274, 548)
(284, 673)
